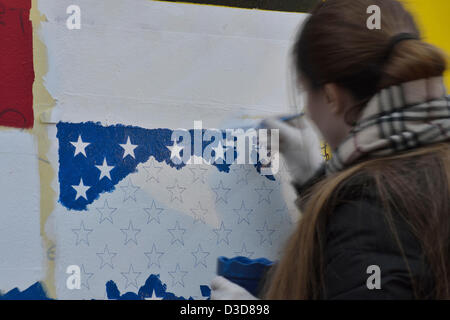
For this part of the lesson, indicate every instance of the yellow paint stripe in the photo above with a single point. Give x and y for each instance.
(42, 101)
(434, 23)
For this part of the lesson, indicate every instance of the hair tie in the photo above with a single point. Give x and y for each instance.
(396, 40)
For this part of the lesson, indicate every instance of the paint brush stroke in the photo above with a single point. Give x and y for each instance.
(16, 64)
(104, 142)
(34, 292)
(153, 288)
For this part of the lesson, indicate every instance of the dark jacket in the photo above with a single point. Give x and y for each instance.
(358, 236)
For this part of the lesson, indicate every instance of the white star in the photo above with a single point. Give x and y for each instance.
(222, 194)
(135, 276)
(81, 190)
(132, 231)
(129, 148)
(222, 234)
(177, 275)
(153, 296)
(218, 153)
(109, 210)
(80, 146)
(175, 151)
(105, 170)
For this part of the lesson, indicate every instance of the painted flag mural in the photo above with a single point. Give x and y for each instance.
(142, 226)
(107, 155)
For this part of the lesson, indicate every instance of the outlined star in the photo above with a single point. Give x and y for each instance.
(284, 214)
(131, 274)
(199, 173)
(199, 213)
(153, 257)
(106, 210)
(128, 148)
(175, 192)
(244, 252)
(129, 191)
(82, 234)
(177, 275)
(151, 170)
(265, 234)
(243, 213)
(80, 146)
(222, 234)
(110, 256)
(175, 151)
(81, 190)
(264, 193)
(221, 192)
(85, 276)
(105, 170)
(242, 173)
(200, 256)
(177, 234)
(153, 213)
(130, 233)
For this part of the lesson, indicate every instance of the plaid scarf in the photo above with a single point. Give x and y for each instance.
(397, 118)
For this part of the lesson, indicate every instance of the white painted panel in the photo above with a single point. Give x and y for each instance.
(160, 65)
(21, 254)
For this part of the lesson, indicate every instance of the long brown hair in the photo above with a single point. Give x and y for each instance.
(335, 45)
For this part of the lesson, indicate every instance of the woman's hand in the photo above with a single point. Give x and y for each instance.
(223, 289)
(300, 147)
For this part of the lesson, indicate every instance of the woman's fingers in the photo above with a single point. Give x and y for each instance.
(289, 136)
(218, 282)
(223, 289)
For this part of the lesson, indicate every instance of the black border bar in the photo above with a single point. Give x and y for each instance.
(276, 5)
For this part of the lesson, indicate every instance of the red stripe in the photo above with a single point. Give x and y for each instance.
(16, 64)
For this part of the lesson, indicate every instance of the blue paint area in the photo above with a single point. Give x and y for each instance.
(245, 272)
(112, 291)
(153, 288)
(206, 291)
(104, 143)
(34, 292)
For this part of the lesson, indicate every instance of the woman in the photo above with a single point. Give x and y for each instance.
(376, 217)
